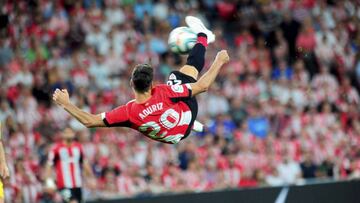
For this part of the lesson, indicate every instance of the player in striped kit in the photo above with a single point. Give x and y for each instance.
(68, 160)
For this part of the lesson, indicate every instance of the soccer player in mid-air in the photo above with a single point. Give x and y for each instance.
(165, 113)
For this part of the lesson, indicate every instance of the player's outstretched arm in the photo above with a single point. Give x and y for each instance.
(203, 84)
(61, 98)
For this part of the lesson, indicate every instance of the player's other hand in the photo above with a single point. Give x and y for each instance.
(223, 56)
(4, 171)
(61, 97)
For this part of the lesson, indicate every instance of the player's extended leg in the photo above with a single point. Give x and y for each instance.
(194, 64)
(196, 59)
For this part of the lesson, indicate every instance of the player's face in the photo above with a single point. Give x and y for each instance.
(68, 134)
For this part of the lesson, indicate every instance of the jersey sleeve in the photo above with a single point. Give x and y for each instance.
(117, 117)
(178, 91)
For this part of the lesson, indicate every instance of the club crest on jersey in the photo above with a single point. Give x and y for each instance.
(151, 109)
(177, 88)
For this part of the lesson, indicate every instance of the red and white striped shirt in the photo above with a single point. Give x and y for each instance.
(232, 176)
(125, 185)
(67, 160)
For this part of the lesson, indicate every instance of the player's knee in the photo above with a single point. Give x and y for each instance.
(190, 71)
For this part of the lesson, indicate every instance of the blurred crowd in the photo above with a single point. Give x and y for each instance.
(284, 110)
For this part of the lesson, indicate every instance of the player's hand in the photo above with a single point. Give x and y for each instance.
(4, 170)
(223, 56)
(61, 97)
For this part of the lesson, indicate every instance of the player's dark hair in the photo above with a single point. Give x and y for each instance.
(142, 77)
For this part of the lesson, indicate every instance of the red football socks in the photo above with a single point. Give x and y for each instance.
(202, 39)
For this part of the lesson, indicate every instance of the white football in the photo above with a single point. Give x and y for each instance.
(182, 40)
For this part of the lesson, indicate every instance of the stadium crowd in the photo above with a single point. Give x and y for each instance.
(284, 110)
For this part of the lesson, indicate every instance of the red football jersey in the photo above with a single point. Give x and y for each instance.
(164, 117)
(68, 164)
